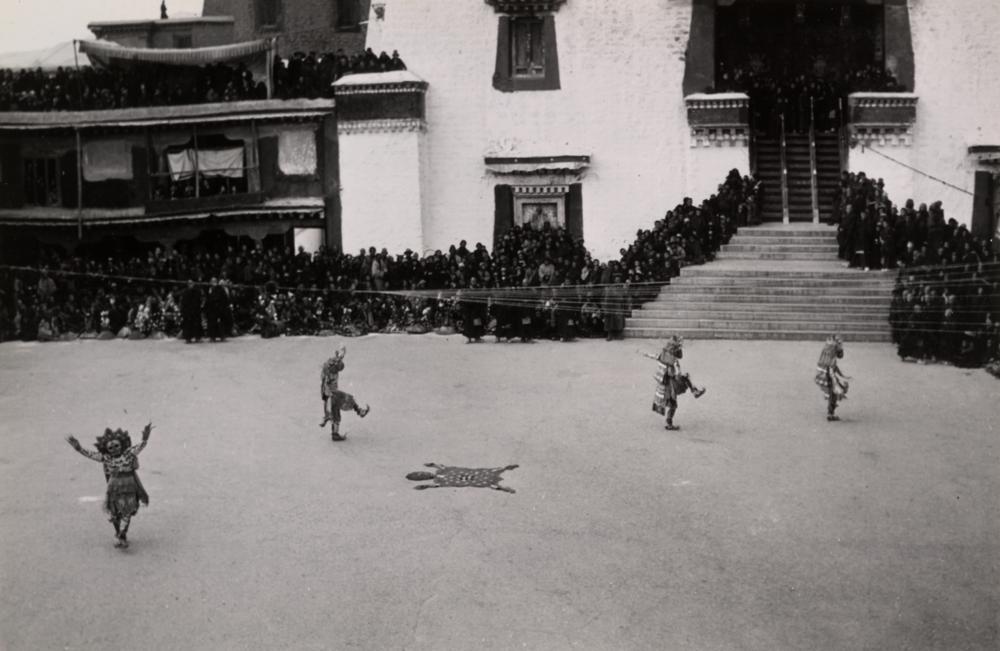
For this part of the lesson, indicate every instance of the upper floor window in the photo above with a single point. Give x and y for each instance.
(268, 13)
(348, 14)
(527, 47)
(527, 58)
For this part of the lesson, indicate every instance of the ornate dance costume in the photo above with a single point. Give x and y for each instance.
(829, 378)
(125, 491)
(335, 400)
(671, 382)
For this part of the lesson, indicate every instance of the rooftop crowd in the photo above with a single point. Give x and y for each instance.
(946, 303)
(535, 283)
(149, 84)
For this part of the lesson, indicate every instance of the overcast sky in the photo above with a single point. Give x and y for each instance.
(39, 24)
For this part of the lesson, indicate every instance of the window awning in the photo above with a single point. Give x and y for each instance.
(536, 164)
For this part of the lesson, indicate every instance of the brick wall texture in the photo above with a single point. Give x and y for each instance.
(306, 25)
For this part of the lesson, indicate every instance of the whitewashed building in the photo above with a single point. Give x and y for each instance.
(591, 113)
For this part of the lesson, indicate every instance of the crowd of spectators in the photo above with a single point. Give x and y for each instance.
(946, 303)
(535, 283)
(150, 84)
(816, 97)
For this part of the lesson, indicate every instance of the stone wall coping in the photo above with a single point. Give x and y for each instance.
(883, 99)
(366, 80)
(716, 97)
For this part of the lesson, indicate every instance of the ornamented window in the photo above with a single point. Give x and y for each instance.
(535, 205)
(527, 48)
(527, 58)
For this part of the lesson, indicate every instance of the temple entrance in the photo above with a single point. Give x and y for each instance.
(799, 59)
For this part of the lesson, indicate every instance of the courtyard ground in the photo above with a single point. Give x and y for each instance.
(759, 525)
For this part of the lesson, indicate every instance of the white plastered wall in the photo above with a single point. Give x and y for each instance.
(621, 67)
(380, 190)
(956, 46)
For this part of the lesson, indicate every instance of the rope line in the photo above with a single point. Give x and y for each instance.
(918, 171)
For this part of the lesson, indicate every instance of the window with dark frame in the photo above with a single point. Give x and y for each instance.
(182, 41)
(527, 48)
(268, 13)
(348, 14)
(527, 57)
(201, 182)
(41, 182)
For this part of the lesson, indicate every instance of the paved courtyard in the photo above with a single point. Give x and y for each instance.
(758, 526)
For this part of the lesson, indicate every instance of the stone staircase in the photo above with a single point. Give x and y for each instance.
(771, 282)
(768, 156)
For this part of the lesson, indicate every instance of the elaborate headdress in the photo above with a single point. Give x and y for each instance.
(674, 345)
(833, 349)
(110, 435)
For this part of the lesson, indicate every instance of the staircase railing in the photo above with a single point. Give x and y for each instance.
(785, 218)
(813, 171)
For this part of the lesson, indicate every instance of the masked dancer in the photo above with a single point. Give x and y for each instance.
(832, 382)
(335, 400)
(124, 490)
(670, 381)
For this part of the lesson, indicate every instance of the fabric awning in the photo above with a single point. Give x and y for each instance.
(105, 51)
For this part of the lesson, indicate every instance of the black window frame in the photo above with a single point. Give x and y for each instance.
(268, 25)
(504, 77)
(353, 22)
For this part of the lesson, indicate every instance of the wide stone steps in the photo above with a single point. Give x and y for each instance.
(815, 334)
(730, 325)
(771, 282)
(805, 297)
(645, 316)
(779, 248)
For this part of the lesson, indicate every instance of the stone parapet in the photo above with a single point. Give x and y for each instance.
(718, 119)
(378, 97)
(882, 118)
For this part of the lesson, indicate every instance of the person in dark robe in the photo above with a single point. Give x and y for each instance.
(215, 304)
(473, 315)
(191, 328)
(614, 306)
(566, 316)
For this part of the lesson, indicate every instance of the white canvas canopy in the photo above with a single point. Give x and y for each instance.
(258, 56)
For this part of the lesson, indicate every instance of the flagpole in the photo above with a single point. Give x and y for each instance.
(79, 87)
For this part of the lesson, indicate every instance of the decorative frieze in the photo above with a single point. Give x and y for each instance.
(718, 110)
(985, 154)
(540, 190)
(882, 109)
(891, 135)
(525, 7)
(720, 137)
(395, 95)
(403, 125)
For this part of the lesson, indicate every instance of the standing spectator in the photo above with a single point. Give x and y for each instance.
(191, 328)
